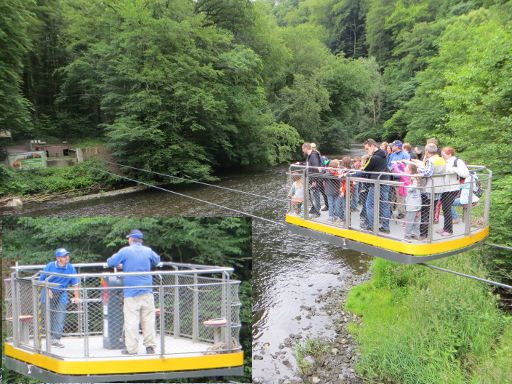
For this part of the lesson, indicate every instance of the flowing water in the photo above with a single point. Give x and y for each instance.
(289, 273)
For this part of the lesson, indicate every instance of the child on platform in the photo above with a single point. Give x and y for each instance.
(296, 194)
(412, 205)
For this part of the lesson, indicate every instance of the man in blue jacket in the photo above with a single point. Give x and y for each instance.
(139, 305)
(59, 295)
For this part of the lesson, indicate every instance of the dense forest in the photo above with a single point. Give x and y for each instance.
(210, 241)
(187, 88)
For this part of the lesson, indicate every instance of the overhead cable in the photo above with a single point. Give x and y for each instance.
(198, 182)
(495, 283)
(193, 198)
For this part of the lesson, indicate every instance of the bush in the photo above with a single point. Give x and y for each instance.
(52, 180)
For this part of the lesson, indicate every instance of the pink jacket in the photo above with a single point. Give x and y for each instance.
(400, 169)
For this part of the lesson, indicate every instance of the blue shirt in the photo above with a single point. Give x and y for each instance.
(63, 281)
(135, 258)
(397, 156)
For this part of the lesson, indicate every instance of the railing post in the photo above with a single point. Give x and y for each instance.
(47, 317)
(195, 310)
(487, 207)
(289, 182)
(176, 305)
(306, 194)
(376, 206)
(35, 317)
(433, 202)
(228, 312)
(467, 213)
(15, 309)
(348, 202)
(223, 306)
(86, 319)
(161, 300)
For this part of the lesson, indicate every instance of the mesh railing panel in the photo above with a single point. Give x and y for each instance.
(25, 312)
(400, 206)
(182, 302)
(235, 313)
(8, 314)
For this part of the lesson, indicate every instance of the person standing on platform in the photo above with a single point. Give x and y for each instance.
(139, 305)
(59, 295)
(377, 163)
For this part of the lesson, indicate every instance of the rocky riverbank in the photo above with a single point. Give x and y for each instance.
(331, 360)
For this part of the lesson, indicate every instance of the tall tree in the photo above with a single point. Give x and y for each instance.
(348, 30)
(16, 17)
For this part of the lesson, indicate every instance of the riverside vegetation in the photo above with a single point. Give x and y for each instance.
(188, 88)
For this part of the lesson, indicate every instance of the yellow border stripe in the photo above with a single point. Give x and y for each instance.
(393, 245)
(128, 365)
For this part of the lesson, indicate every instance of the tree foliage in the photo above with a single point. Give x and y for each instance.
(190, 87)
(16, 16)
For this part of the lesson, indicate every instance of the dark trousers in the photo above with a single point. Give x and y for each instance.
(322, 191)
(425, 214)
(447, 199)
(363, 195)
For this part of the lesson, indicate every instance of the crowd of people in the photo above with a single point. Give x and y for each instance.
(411, 181)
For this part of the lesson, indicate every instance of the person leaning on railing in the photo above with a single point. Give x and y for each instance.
(433, 165)
(59, 296)
(139, 303)
(456, 170)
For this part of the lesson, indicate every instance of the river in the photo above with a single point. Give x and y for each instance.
(289, 272)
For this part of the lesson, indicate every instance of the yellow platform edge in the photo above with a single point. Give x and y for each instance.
(125, 365)
(391, 244)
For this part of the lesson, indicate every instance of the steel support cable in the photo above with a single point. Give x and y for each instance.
(498, 246)
(199, 182)
(194, 198)
(497, 284)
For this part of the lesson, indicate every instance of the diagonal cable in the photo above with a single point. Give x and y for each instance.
(194, 198)
(198, 182)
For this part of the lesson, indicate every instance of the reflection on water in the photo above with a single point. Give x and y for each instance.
(289, 270)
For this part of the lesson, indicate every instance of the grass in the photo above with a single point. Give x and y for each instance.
(422, 326)
(315, 348)
(497, 368)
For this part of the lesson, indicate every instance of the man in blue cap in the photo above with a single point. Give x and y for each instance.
(59, 295)
(397, 153)
(139, 305)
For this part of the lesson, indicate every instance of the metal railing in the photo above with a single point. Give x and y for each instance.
(187, 298)
(394, 205)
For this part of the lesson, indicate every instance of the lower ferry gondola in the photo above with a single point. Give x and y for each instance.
(197, 326)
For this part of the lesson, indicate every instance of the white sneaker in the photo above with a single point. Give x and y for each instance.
(57, 343)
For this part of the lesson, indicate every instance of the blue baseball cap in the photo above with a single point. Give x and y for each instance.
(397, 143)
(136, 234)
(61, 252)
